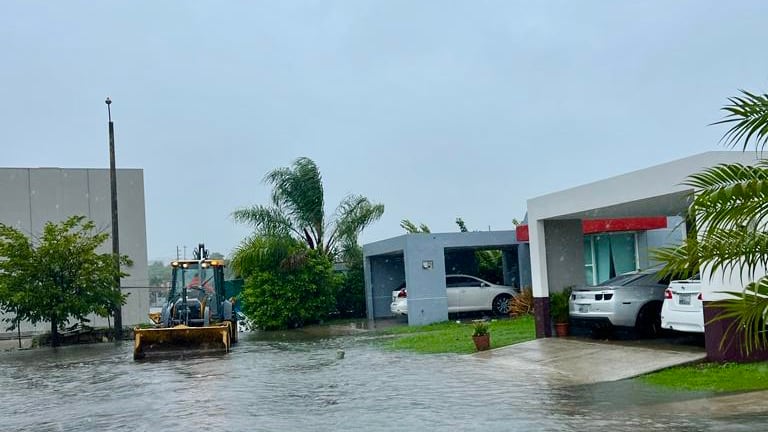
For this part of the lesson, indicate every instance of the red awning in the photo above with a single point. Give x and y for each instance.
(592, 226)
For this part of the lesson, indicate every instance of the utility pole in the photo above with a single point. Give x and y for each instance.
(118, 311)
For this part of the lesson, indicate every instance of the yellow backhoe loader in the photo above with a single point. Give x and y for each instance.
(196, 316)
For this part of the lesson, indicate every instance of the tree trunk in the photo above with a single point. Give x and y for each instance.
(54, 333)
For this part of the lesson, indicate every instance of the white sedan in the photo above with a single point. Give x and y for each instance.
(465, 293)
(683, 309)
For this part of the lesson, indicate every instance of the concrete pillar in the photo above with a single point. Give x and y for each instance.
(425, 278)
(557, 262)
(368, 288)
(524, 264)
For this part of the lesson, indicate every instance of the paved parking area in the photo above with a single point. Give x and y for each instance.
(583, 361)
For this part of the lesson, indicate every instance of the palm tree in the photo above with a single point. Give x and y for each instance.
(730, 210)
(298, 212)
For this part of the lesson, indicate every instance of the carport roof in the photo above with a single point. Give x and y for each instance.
(475, 239)
(654, 191)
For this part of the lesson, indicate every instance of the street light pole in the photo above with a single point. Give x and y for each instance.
(118, 310)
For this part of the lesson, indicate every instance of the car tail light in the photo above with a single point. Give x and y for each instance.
(700, 297)
(668, 294)
(403, 293)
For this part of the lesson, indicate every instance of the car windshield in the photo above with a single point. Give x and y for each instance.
(194, 277)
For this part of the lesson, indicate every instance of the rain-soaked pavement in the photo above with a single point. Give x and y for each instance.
(294, 381)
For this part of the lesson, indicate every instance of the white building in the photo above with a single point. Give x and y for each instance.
(557, 240)
(30, 197)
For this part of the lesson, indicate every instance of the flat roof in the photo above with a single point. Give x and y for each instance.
(653, 191)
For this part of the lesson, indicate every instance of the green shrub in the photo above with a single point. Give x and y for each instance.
(558, 305)
(291, 297)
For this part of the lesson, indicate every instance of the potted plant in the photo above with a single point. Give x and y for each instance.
(481, 335)
(558, 309)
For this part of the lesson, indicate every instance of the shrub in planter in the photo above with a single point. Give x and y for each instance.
(481, 335)
(558, 310)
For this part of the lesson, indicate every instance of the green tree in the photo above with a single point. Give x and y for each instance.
(159, 273)
(350, 296)
(57, 276)
(462, 225)
(290, 237)
(730, 210)
(298, 211)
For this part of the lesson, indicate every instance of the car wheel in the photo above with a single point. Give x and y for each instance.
(501, 304)
(648, 322)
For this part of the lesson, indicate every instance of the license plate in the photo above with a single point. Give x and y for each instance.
(684, 299)
(583, 308)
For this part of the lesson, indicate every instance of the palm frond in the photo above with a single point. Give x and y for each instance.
(749, 115)
(266, 220)
(730, 196)
(740, 251)
(353, 214)
(265, 252)
(411, 227)
(735, 252)
(298, 191)
(682, 261)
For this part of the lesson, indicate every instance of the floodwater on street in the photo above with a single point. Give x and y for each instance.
(292, 381)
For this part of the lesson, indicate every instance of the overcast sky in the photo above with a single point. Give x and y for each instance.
(436, 109)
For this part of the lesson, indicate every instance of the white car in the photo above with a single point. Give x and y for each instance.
(683, 309)
(465, 293)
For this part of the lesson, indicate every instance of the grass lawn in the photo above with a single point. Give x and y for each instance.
(450, 337)
(716, 377)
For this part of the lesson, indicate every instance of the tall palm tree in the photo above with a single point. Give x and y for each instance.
(298, 211)
(730, 210)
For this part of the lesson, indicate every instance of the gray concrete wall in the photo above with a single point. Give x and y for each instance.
(31, 197)
(425, 277)
(565, 253)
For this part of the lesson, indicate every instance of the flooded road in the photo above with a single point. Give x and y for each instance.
(297, 382)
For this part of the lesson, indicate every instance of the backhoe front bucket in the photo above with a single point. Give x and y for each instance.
(181, 339)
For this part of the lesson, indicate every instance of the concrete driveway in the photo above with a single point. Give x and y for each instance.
(570, 361)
